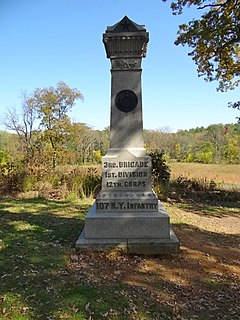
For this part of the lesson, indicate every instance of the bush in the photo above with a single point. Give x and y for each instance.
(183, 185)
(44, 189)
(160, 174)
(28, 183)
(81, 182)
(11, 177)
(160, 170)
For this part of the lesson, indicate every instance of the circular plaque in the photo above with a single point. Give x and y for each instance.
(126, 100)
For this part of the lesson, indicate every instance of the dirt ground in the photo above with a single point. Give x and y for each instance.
(202, 282)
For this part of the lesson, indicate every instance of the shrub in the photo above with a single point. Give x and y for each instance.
(83, 182)
(183, 185)
(160, 174)
(97, 156)
(44, 189)
(160, 170)
(28, 183)
(5, 158)
(11, 177)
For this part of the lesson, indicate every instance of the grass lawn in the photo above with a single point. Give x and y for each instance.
(42, 277)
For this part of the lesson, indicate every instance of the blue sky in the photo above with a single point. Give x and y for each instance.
(46, 41)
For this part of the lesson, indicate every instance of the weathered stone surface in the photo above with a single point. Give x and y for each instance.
(154, 246)
(126, 202)
(138, 233)
(125, 45)
(84, 243)
(127, 225)
(125, 39)
(127, 213)
(126, 182)
(126, 172)
(131, 246)
(126, 128)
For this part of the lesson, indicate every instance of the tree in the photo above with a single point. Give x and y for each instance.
(232, 150)
(235, 105)
(81, 141)
(24, 125)
(44, 121)
(52, 105)
(214, 39)
(102, 138)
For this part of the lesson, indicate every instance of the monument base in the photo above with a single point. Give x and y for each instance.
(132, 232)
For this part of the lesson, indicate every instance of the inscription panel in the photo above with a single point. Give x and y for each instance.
(127, 164)
(126, 175)
(109, 206)
(126, 185)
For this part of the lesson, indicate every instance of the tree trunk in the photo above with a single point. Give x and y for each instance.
(54, 160)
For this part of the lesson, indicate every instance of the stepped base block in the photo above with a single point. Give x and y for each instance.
(137, 233)
(131, 246)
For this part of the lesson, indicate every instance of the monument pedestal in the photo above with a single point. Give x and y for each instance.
(133, 232)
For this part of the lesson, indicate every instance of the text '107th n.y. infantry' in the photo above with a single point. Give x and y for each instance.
(127, 205)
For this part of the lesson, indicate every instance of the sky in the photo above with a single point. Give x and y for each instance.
(46, 41)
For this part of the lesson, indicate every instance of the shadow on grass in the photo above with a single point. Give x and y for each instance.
(42, 277)
(218, 203)
(33, 256)
(37, 239)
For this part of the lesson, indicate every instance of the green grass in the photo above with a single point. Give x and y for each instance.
(36, 240)
(36, 237)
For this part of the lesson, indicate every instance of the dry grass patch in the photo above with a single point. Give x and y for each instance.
(223, 174)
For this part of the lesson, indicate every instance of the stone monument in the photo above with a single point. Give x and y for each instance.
(127, 213)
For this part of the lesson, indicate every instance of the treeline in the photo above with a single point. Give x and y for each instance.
(42, 134)
(215, 144)
(81, 144)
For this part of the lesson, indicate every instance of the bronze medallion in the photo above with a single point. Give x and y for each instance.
(126, 100)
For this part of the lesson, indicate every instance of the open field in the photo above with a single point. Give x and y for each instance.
(222, 174)
(43, 277)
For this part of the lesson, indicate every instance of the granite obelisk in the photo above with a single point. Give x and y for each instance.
(127, 213)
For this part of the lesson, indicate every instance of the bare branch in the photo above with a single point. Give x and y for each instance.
(215, 5)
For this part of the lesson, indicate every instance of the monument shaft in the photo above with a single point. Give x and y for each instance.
(126, 128)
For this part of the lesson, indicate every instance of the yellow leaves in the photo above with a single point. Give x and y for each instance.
(22, 226)
(97, 156)
(183, 27)
(2, 246)
(237, 52)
